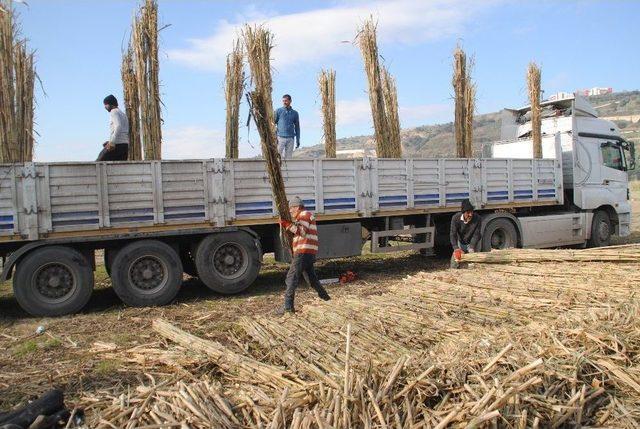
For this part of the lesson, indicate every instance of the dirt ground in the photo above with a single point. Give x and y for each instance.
(64, 355)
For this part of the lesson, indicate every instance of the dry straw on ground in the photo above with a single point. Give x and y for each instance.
(533, 85)
(131, 104)
(521, 345)
(387, 145)
(233, 87)
(327, 85)
(17, 82)
(144, 40)
(258, 43)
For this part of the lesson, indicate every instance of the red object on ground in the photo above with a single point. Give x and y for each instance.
(348, 277)
(457, 254)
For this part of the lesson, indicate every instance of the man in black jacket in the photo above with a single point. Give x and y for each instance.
(465, 232)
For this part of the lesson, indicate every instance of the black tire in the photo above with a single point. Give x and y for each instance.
(188, 264)
(53, 281)
(146, 273)
(600, 229)
(109, 256)
(228, 262)
(499, 234)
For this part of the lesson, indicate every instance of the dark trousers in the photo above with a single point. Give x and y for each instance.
(301, 264)
(119, 153)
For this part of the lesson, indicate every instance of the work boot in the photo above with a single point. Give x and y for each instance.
(324, 295)
(282, 311)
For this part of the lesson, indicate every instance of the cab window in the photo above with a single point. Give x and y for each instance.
(612, 156)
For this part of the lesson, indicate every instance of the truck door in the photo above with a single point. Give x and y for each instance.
(614, 170)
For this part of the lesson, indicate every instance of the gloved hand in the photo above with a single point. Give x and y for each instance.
(457, 255)
(471, 250)
(284, 223)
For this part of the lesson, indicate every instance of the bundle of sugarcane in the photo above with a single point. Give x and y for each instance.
(144, 39)
(625, 253)
(469, 107)
(367, 40)
(131, 104)
(258, 42)
(17, 81)
(234, 84)
(327, 84)
(390, 95)
(533, 85)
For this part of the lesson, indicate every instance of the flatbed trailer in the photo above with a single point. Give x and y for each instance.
(215, 218)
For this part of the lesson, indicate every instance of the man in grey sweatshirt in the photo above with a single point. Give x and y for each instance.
(117, 147)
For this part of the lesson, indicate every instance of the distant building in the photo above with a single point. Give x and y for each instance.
(595, 91)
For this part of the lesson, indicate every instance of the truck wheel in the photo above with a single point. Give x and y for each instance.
(146, 273)
(228, 262)
(600, 229)
(499, 234)
(53, 281)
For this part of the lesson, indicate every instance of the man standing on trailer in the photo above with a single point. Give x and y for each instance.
(288, 128)
(464, 233)
(117, 147)
(305, 249)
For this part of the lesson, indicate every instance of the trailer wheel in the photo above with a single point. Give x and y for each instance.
(146, 273)
(600, 229)
(499, 234)
(53, 281)
(228, 262)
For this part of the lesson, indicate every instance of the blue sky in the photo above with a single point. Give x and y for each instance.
(78, 45)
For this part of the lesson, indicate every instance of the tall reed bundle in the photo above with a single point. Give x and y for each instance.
(469, 107)
(390, 95)
(145, 46)
(367, 40)
(459, 87)
(624, 253)
(258, 44)
(327, 84)
(234, 84)
(131, 104)
(533, 85)
(17, 81)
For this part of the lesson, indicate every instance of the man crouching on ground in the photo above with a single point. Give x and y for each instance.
(305, 248)
(464, 233)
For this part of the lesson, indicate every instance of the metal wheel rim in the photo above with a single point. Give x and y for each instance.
(499, 239)
(230, 260)
(148, 274)
(54, 282)
(603, 231)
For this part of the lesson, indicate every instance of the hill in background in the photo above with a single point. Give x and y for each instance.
(437, 140)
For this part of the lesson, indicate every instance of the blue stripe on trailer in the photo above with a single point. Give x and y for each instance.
(74, 222)
(340, 207)
(523, 191)
(131, 219)
(6, 226)
(523, 197)
(184, 215)
(254, 211)
(6, 218)
(426, 202)
(393, 198)
(72, 215)
(494, 193)
(184, 209)
(458, 194)
(426, 196)
(255, 204)
(339, 200)
(126, 212)
(498, 198)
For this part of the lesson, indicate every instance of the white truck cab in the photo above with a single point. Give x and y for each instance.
(595, 160)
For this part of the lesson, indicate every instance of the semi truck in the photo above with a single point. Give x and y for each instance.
(215, 218)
